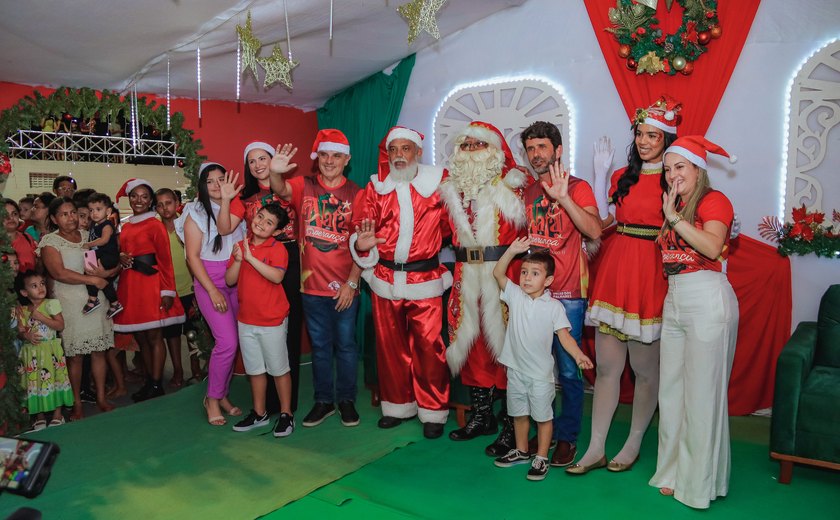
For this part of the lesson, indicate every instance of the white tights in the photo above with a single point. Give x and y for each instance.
(611, 356)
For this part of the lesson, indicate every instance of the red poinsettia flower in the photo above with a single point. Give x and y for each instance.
(816, 217)
(800, 214)
(690, 34)
(802, 230)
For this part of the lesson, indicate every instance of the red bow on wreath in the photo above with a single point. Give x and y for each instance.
(5, 164)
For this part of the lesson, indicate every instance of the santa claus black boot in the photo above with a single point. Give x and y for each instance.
(506, 440)
(482, 421)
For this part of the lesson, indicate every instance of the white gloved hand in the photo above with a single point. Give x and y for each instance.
(602, 160)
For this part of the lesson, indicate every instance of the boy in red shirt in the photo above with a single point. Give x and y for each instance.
(258, 268)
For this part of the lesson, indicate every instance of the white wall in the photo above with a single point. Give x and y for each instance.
(749, 121)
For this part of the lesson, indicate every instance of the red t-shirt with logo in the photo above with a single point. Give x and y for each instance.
(325, 225)
(261, 302)
(679, 257)
(246, 209)
(549, 226)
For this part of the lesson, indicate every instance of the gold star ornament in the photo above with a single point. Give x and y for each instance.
(250, 46)
(421, 16)
(277, 68)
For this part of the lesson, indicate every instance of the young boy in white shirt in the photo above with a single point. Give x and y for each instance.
(533, 317)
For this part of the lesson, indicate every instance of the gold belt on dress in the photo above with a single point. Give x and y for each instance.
(638, 231)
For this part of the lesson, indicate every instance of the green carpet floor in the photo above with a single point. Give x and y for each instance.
(161, 460)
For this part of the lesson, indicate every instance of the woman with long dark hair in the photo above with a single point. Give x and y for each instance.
(625, 300)
(147, 284)
(256, 193)
(208, 252)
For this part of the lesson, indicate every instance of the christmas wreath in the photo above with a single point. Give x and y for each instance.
(808, 233)
(646, 46)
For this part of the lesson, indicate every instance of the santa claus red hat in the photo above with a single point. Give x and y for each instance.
(397, 132)
(490, 134)
(695, 147)
(330, 140)
(258, 145)
(129, 186)
(664, 114)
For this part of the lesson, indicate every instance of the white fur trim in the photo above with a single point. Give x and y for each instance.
(136, 219)
(688, 154)
(404, 133)
(479, 301)
(515, 178)
(484, 134)
(432, 416)
(401, 290)
(400, 411)
(258, 145)
(156, 324)
(406, 233)
(671, 129)
(493, 198)
(168, 293)
(328, 146)
(630, 327)
(365, 262)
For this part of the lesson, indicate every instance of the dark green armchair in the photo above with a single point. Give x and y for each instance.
(805, 427)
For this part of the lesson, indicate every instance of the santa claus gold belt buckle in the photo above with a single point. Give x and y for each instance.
(475, 255)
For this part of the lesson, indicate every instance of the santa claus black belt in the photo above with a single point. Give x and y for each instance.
(144, 263)
(478, 255)
(429, 264)
(638, 231)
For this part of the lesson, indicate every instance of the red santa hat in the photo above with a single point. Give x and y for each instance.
(397, 132)
(258, 145)
(664, 114)
(129, 186)
(695, 147)
(490, 134)
(330, 140)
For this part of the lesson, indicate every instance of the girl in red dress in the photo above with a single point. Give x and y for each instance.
(626, 297)
(147, 284)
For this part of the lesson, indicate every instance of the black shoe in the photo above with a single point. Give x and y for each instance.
(253, 420)
(505, 441)
(385, 422)
(156, 391)
(349, 415)
(285, 425)
(512, 458)
(86, 396)
(319, 412)
(539, 469)
(482, 421)
(143, 393)
(432, 430)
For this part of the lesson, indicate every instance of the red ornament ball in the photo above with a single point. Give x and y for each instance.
(716, 32)
(704, 38)
(66, 116)
(624, 50)
(641, 31)
(4, 258)
(631, 64)
(180, 163)
(688, 69)
(710, 14)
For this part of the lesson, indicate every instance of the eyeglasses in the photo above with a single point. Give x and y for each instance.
(474, 145)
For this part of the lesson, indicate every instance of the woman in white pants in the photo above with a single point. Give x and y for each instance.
(699, 329)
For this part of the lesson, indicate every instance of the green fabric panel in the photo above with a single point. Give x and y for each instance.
(819, 405)
(792, 369)
(365, 112)
(828, 337)
(818, 446)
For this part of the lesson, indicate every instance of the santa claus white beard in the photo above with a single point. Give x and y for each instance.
(471, 170)
(406, 174)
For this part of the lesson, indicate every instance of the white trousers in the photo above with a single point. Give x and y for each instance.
(699, 330)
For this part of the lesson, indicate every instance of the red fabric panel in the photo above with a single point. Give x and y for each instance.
(762, 282)
(699, 92)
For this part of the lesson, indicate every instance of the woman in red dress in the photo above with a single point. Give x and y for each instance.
(626, 297)
(147, 284)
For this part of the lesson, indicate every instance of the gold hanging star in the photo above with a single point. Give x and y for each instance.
(421, 16)
(277, 68)
(250, 46)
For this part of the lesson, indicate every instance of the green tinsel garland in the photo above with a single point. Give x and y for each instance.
(85, 102)
(827, 246)
(12, 418)
(634, 25)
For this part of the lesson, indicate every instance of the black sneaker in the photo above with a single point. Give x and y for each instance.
(318, 413)
(253, 420)
(539, 468)
(512, 458)
(349, 415)
(86, 396)
(285, 425)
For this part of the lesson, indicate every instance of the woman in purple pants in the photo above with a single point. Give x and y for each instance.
(207, 255)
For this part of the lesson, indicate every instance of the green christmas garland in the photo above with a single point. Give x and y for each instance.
(648, 49)
(12, 418)
(84, 102)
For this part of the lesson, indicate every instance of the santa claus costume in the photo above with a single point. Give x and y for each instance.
(486, 213)
(407, 282)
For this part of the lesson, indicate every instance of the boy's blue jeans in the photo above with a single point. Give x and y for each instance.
(567, 424)
(332, 334)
